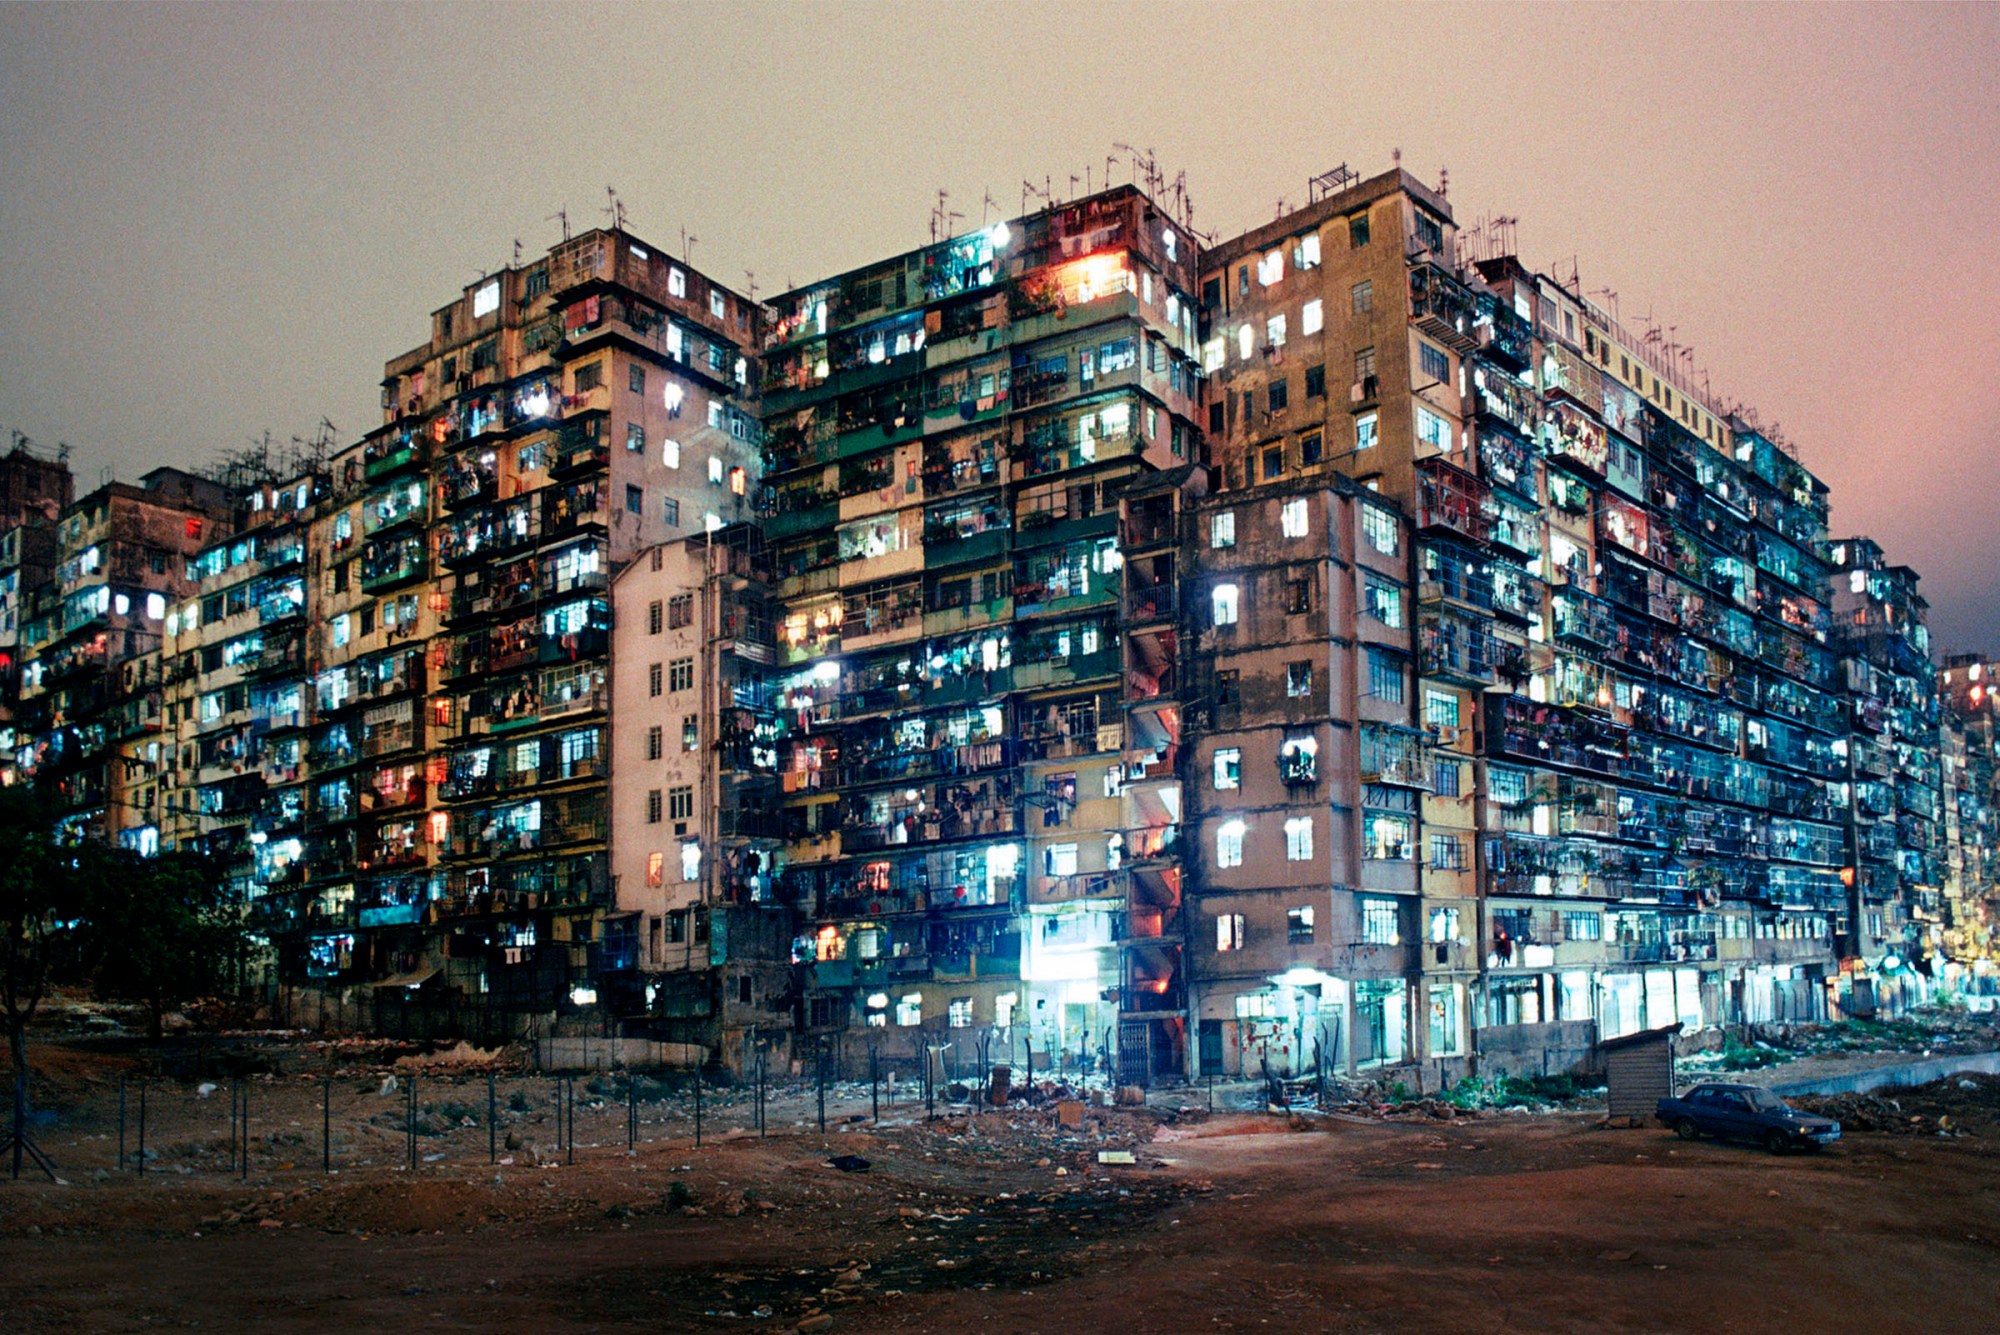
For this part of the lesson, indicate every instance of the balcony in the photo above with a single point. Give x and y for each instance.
(392, 564)
(1457, 651)
(1442, 307)
(1453, 500)
(384, 458)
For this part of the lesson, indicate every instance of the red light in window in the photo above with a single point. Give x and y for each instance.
(194, 528)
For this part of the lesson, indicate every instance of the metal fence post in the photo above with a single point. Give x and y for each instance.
(631, 1114)
(492, 1122)
(121, 1123)
(697, 1104)
(243, 1102)
(819, 1078)
(874, 1082)
(142, 1128)
(234, 1093)
(572, 1120)
(326, 1122)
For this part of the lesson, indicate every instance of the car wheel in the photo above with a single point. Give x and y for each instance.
(1776, 1141)
(1686, 1129)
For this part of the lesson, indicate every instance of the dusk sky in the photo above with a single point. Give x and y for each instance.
(220, 220)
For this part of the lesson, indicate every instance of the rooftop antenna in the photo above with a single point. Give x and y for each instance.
(1444, 182)
(616, 209)
(1610, 296)
(941, 216)
(750, 284)
(1396, 156)
(517, 252)
(561, 216)
(687, 246)
(1110, 161)
(1086, 183)
(986, 206)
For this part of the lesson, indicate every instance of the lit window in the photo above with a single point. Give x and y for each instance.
(677, 282)
(1299, 924)
(691, 861)
(1299, 839)
(1246, 341)
(1229, 844)
(1299, 679)
(1367, 430)
(959, 1013)
(910, 1010)
(714, 469)
(1229, 931)
(670, 453)
(739, 481)
(1378, 528)
(1062, 859)
(1222, 529)
(1228, 768)
(1313, 318)
(1433, 363)
(342, 626)
(1379, 926)
(1433, 430)
(1224, 599)
(486, 300)
(1274, 331)
(1271, 268)
(1305, 255)
(156, 606)
(1293, 518)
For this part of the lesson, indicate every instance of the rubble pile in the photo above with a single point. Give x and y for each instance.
(1959, 1105)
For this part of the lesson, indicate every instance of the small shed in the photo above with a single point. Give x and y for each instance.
(1639, 1070)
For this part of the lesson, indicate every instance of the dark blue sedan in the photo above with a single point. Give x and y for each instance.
(1745, 1112)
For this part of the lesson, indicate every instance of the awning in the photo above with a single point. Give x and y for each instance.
(415, 978)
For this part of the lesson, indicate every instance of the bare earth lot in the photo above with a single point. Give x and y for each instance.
(1225, 1222)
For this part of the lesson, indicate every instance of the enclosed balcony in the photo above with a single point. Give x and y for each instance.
(1453, 500)
(1442, 307)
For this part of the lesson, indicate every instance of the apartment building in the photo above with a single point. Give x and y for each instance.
(90, 646)
(1630, 711)
(1969, 948)
(949, 435)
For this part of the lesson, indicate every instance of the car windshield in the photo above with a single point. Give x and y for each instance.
(1763, 1100)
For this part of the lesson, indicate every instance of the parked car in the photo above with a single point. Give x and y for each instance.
(1745, 1112)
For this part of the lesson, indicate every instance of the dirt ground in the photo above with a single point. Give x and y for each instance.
(1006, 1222)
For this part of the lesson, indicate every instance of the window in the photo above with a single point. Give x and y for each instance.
(1367, 430)
(1060, 859)
(635, 500)
(1280, 395)
(655, 617)
(1293, 519)
(690, 733)
(1363, 296)
(653, 807)
(1227, 687)
(1274, 332)
(1445, 778)
(635, 438)
(653, 678)
(1298, 596)
(1379, 529)
(587, 377)
(910, 1010)
(1444, 926)
(1430, 233)
(680, 803)
(1312, 319)
(1215, 422)
(1447, 853)
(1440, 708)
(1383, 601)
(1364, 369)
(1433, 363)
(1299, 921)
(1229, 844)
(1583, 926)
(670, 453)
(1224, 600)
(655, 742)
(671, 512)
(1274, 462)
(680, 610)
(1379, 925)
(1228, 932)
(1311, 448)
(1433, 430)
(680, 675)
(1316, 382)
(1299, 840)
(1228, 769)
(1299, 679)
(1305, 252)
(714, 469)
(1246, 341)
(1271, 269)
(1357, 231)
(1385, 676)
(635, 379)
(958, 1014)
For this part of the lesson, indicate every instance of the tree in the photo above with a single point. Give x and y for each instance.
(164, 930)
(44, 886)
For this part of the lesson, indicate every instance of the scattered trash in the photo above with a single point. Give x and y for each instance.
(848, 1163)
(1116, 1157)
